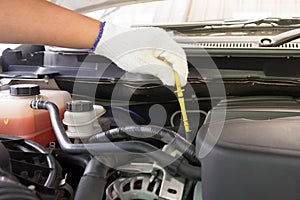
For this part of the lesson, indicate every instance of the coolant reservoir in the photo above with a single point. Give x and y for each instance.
(18, 119)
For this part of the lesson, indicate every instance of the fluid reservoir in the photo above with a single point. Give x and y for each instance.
(18, 119)
(81, 117)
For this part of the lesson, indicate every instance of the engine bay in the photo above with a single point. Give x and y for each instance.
(76, 126)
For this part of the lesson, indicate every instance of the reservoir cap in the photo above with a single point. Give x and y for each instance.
(24, 90)
(79, 106)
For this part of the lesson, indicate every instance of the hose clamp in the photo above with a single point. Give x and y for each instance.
(34, 104)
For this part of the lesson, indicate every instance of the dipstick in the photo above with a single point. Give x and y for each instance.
(180, 96)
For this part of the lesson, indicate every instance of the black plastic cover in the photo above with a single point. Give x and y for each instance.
(257, 156)
(24, 90)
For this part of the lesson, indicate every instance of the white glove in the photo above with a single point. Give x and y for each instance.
(144, 50)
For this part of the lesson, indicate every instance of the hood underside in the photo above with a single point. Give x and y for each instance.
(91, 5)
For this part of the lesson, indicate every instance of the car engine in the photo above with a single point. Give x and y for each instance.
(75, 126)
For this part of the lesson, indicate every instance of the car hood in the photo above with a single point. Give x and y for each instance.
(91, 5)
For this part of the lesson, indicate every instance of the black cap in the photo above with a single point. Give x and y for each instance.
(80, 106)
(24, 90)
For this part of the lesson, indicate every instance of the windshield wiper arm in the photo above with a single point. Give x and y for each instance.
(280, 39)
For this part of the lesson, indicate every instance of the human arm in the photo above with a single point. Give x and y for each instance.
(146, 51)
(41, 22)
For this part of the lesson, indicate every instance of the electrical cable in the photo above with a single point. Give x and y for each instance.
(188, 111)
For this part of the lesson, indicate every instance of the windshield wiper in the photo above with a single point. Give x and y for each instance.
(276, 21)
(232, 24)
(280, 39)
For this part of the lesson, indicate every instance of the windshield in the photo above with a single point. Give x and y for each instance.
(181, 11)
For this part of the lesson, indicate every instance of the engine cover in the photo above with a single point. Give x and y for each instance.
(257, 155)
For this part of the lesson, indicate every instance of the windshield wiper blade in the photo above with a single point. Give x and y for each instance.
(231, 24)
(280, 39)
(276, 21)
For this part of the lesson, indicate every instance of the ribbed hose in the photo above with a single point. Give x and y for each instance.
(116, 147)
(12, 191)
(144, 132)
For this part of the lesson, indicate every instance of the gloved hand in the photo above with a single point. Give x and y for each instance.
(144, 50)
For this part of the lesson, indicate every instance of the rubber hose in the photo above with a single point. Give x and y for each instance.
(11, 191)
(143, 132)
(92, 183)
(97, 149)
(78, 160)
(181, 168)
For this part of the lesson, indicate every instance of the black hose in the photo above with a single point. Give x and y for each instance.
(97, 149)
(177, 166)
(92, 183)
(144, 132)
(70, 159)
(10, 190)
(65, 143)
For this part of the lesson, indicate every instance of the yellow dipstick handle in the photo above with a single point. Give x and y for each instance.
(179, 92)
